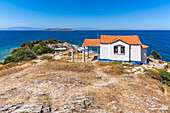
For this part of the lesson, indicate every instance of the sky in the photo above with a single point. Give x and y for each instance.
(86, 14)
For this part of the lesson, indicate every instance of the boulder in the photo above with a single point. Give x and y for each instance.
(147, 73)
(151, 63)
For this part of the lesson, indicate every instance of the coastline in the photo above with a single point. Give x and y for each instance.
(6, 52)
(152, 38)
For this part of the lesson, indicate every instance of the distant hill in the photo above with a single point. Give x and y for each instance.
(57, 29)
(24, 28)
(21, 28)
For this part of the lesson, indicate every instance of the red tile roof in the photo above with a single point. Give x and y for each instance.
(111, 38)
(126, 39)
(91, 42)
(144, 46)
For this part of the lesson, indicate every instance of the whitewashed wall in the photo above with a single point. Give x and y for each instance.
(104, 51)
(119, 56)
(144, 55)
(135, 53)
(107, 51)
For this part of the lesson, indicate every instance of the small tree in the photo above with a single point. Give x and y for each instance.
(42, 44)
(46, 49)
(15, 50)
(46, 58)
(9, 59)
(156, 55)
(35, 48)
(165, 77)
(24, 54)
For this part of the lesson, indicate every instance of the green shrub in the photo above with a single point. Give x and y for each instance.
(30, 44)
(22, 45)
(165, 77)
(46, 58)
(15, 50)
(37, 42)
(50, 41)
(35, 48)
(53, 41)
(154, 74)
(1, 63)
(39, 52)
(156, 55)
(46, 49)
(42, 44)
(24, 54)
(9, 59)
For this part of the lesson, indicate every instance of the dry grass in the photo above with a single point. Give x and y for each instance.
(112, 63)
(13, 68)
(66, 66)
(82, 79)
(113, 70)
(9, 65)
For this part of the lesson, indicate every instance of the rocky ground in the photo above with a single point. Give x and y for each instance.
(63, 87)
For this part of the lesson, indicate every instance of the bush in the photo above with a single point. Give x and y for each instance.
(1, 63)
(9, 59)
(30, 44)
(42, 44)
(46, 58)
(39, 52)
(22, 45)
(15, 50)
(156, 55)
(165, 77)
(24, 54)
(46, 49)
(35, 48)
(37, 42)
(153, 73)
(53, 41)
(50, 41)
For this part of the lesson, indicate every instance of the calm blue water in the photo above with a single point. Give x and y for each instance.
(156, 40)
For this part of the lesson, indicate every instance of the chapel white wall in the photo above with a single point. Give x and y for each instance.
(135, 53)
(104, 51)
(119, 56)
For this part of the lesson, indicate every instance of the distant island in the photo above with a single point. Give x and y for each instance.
(57, 29)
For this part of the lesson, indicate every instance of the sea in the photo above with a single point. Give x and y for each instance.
(158, 40)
